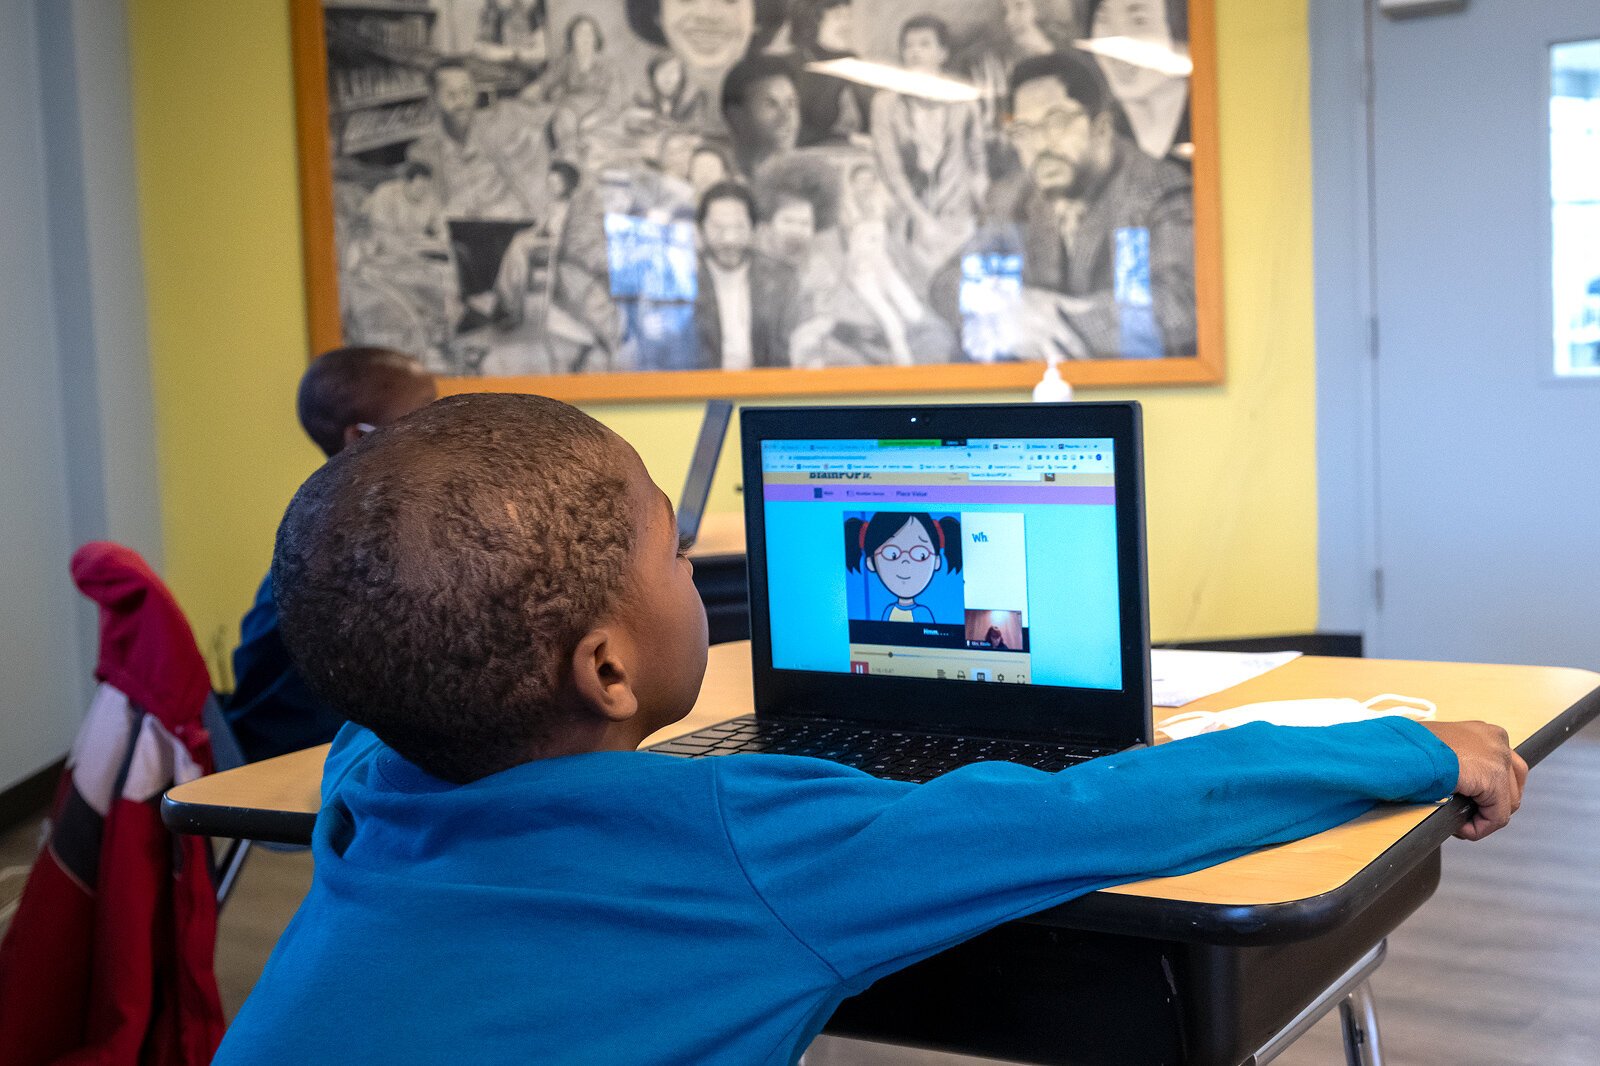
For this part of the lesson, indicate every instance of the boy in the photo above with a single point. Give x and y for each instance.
(493, 586)
(344, 395)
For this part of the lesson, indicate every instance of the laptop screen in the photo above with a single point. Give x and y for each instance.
(964, 560)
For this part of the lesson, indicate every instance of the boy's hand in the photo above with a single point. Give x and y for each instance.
(1492, 774)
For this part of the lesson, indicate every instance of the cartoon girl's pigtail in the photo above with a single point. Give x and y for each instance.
(853, 529)
(951, 527)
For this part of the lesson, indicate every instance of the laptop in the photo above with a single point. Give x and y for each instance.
(938, 585)
(702, 467)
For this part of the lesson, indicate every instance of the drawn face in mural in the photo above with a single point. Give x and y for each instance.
(667, 77)
(921, 50)
(770, 118)
(794, 224)
(836, 30)
(677, 154)
(727, 232)
(906, 562)
(708, 35)
(1064, 149)
(706, 168)
(456, 98)
(1144, 21)
(867, 192)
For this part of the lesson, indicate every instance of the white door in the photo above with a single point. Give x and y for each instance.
(1487, 495)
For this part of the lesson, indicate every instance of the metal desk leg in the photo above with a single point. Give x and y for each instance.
(1358, 1016)
(1357, 1010)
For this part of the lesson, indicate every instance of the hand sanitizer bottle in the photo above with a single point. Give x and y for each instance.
(1052, 388)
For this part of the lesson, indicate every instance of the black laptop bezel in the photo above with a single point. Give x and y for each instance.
(1036, 712)
(703, 468)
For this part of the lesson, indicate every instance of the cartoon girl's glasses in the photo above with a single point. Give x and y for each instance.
(918, 553)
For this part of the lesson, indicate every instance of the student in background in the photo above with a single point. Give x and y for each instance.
(344, 395)
(496, 590)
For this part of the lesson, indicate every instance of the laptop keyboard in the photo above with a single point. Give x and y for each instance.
(886, 753)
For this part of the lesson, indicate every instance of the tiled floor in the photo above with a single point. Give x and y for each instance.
(1500, 968)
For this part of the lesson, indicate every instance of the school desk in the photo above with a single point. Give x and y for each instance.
(1219, 967)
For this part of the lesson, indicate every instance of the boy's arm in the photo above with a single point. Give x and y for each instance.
(873, 875)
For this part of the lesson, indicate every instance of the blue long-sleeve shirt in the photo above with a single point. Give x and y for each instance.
(629, 907)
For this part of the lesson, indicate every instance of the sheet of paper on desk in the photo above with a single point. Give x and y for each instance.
(1179, 677)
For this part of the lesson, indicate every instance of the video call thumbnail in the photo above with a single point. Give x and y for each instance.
(920, 582)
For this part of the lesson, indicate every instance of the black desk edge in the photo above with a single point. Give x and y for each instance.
(237, 823)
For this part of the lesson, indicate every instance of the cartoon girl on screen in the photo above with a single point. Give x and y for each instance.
(905, 549)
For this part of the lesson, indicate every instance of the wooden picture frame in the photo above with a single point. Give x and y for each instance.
(318, 128)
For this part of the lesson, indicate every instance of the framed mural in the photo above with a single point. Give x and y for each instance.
(634, 199)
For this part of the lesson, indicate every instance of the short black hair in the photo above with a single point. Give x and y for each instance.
(433, 580)
(940, 28)
(748, 72)
(725, 190)
(1177, 18)
(1078, 74)
(448, 63)
(805, 20)
(599, 34)
(348, 386)
(644, 19)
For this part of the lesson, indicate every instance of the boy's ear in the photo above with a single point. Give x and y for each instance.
(600, 677)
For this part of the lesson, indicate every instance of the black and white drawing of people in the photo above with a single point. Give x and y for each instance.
(552, 309)
(583, 88)
(744, 310)
(833, 110)
(582, 186)
(1107, 232)
(488, 160)
(513, 30)
(930, 152)
(761, 105)
(707, 37)
(1154, 97)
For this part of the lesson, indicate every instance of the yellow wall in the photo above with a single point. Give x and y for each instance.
(1231, 472)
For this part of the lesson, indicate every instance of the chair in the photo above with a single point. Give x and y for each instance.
(109, 955)
(225, 755)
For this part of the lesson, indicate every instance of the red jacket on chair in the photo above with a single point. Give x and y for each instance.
(109, 957)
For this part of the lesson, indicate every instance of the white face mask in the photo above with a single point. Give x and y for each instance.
(1311, 712)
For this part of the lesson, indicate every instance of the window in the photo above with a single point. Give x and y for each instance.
(1575, 205)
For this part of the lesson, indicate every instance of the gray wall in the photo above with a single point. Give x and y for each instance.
(75, 408)
(1346, 526)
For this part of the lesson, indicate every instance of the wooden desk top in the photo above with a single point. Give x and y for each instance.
(1522, 699)
(720, 534)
